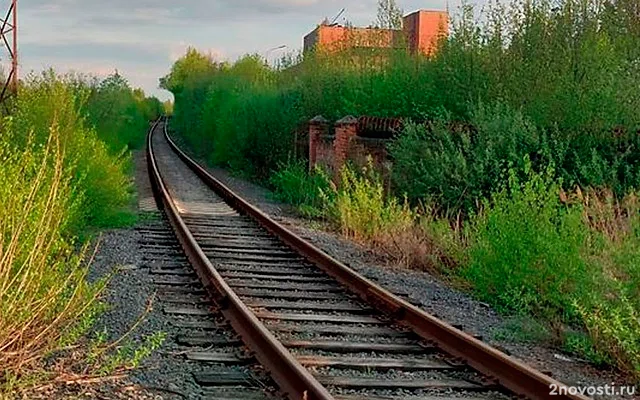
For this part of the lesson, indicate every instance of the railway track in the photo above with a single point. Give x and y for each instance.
(321, 330)
(211, 358)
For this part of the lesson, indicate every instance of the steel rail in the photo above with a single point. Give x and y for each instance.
(503, 369)
(294, 380)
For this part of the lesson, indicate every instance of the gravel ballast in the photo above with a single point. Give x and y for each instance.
(132, 299)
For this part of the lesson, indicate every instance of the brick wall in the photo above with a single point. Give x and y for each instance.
(361, 149)
(420, 32)
(324, 153)
(346, 130)
(332, 152)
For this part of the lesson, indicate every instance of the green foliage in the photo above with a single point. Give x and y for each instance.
(294, 185)
(128, 355)
(522, 329)
(361, 208)
(533, 243)
(532, 253)
(121, 114)
(101, 186)
(84, 323)
(42, 286)
(57, 179)
(455, 165)
(262, 118)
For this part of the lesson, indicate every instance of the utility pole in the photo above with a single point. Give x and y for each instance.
(9, 37)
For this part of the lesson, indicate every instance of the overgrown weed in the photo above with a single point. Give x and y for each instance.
(42, 285)
(568, 260)
(58, 181)
(294, 185)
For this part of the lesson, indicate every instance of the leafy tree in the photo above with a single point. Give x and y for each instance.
(167, 107)
(120, 113)
(190, 68)
(189, 81)
(389, 15)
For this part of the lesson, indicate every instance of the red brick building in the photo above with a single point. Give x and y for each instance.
(420, 33)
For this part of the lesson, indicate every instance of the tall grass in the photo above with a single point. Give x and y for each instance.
(106, 187)
(362, 209)
(42, 284)
(57, 180)
(294, 185)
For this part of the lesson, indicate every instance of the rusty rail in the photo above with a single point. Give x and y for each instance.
(506, 371)
(293, 378)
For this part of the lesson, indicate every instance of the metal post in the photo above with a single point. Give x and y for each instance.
(9, 37)
(14, 61)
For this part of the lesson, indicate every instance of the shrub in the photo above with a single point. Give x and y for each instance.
(119, 113)
(101, 184)
(456, 165)
(294, 185)
(361, 208)
(42, 284)
(57, 179)
(456, 168)
(526, 252)
(569, 263)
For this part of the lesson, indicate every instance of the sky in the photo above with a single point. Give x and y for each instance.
(142, 38)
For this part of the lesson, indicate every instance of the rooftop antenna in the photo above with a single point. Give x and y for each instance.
(338, 16)
(9, 37)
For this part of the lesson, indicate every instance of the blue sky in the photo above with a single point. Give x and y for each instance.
(142, 38)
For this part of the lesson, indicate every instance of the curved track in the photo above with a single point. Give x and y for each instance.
(321, 330)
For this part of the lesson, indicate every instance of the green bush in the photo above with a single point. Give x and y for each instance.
(100, 180)
(57, 179)
(456, 165)
(293, 184)
(120, 114)
(526, 252)
(362, 209)
(530, 252)
(43, 292)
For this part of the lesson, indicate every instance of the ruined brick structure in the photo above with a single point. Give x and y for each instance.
(352, 140)
(420, 33)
